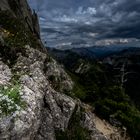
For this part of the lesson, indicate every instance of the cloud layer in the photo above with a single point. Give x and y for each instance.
(117, 18)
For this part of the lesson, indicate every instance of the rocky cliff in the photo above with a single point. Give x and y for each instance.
(33, 87)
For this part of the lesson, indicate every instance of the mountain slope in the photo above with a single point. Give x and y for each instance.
(110, 84)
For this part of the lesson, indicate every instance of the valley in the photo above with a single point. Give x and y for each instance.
(110, 83)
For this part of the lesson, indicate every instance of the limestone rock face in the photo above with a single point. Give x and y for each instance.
(57, 77)
(20, 124)
(4, 5)
(36, 92)
(21, 9)
(5, 74)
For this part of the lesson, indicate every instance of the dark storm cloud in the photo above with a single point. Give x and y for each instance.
(111, 18)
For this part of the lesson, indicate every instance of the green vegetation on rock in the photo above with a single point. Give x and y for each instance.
(16, 36)
(10, 99)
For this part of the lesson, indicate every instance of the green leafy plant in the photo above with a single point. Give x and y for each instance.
(10, 99)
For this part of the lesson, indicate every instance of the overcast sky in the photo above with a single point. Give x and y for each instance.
(114, 18)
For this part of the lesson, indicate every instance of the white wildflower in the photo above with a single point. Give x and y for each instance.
(18, 107)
